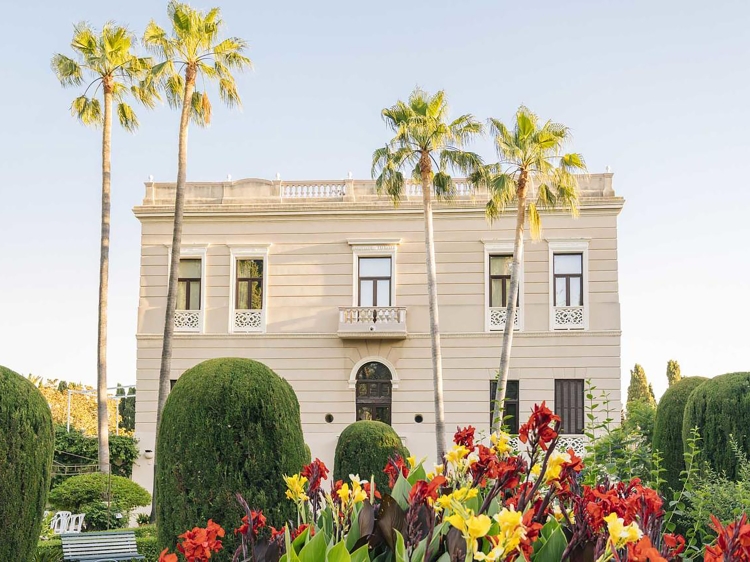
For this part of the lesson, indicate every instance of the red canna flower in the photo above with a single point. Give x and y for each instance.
(644, 551)
(315, 472)
(465, 437)
(532, 533)
(732, 542)
(673, 546)
(198, 545)
(259, 521)
(367, 487)
(423, 491)
(395, 467)
(276, 533)
(539, 426)
(301, 529)
(164, 557)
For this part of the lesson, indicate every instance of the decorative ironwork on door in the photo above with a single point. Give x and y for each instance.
(374, 392)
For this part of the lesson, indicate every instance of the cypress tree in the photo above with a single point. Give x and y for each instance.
(27, 443)
(673, 372)
(639, 389)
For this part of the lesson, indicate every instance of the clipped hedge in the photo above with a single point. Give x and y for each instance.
(364, 448)
(26, 447)
(77, 492)
(667, 437)
(229, 426)
(720, 407)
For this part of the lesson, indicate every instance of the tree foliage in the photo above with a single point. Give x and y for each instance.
(668, 428)
(673, 372)
(83, 414)
(720, 408)
(78, 492)
(639, 389)
(26, 446)
(364, 448)
(230, 426)
(74, 448)
(126, 408)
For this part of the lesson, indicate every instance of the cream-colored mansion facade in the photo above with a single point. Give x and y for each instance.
(325, 283)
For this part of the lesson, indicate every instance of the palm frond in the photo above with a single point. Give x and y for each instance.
(68, 71)
(461, 161)
(87, 110)
(503, 190)
(535, 221)
(444, 186)
(127, 117)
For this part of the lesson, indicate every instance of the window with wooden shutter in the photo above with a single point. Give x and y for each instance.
(569, 405)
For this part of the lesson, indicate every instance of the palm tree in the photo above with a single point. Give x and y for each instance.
(105, 62)
(192, 51)
(535, 174)
(427, 146)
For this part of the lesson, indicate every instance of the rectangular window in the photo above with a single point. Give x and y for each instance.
(568, 279)
(569, 405)
(500, 267)
(510, 412)
(375, 281)
(189, 284)
(249, 289)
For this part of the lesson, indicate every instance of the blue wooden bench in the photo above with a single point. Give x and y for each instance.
(100, 547)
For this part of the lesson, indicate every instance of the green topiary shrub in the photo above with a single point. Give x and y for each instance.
(667, 438)
(86, 489)
(720, 407)
(364, 448)
(26, 447)
(229, 426)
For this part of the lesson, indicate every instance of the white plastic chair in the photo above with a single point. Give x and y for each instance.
(59, 522)
(75, 522)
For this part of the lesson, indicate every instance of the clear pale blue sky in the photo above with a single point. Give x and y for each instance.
(659, 90)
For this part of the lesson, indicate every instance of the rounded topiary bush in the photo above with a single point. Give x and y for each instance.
(26, 446)
(364, 448)
(720, 407)
(229, 426)
(667, 437)
(89, 494)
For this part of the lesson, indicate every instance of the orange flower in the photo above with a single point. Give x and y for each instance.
(644, 551)
(164, 557)
(198, 544)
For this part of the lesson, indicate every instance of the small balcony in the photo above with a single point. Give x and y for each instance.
(248, 320)
(498, 316)
(188, 320)
(568, 318)
(372, 322)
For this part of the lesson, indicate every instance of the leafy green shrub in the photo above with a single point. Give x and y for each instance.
(73, 448)
(88, 489)
(668, 428)
(720, 407)
(26, 447)
(229, 426)
(364, 448)
(103, 517)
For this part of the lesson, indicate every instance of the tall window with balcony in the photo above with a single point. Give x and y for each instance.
(248, 291)
(375, 282)
(499, 287)
(568, 291)
(188, 310)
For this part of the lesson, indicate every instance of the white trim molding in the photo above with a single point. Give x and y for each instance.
(185, 320)
(569, 318)
(373, 248)
(370, 358)
(500, 248)
(247, 321)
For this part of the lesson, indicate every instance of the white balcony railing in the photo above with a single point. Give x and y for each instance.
(187, 320)
(461, 188)
(568, 318)
(498, 316)
(302, 190)
(371, 321)
(564, 442)
(248, 321)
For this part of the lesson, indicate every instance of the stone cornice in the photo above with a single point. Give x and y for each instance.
(417, 335)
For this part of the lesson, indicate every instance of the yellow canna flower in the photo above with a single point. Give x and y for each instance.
(344, 493)
(457, 453)
(501, 442)
(554, 466)
(536, 470)
(509, 519)
(477, 526)
(412, 462)
(619, 533)
(457, 521)
(296, 487)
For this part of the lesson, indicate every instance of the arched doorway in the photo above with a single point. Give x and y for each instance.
(373, 392)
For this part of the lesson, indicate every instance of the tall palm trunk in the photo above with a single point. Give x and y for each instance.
(515, 279)
(437, 359)
(179, 206)
(101, 352)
